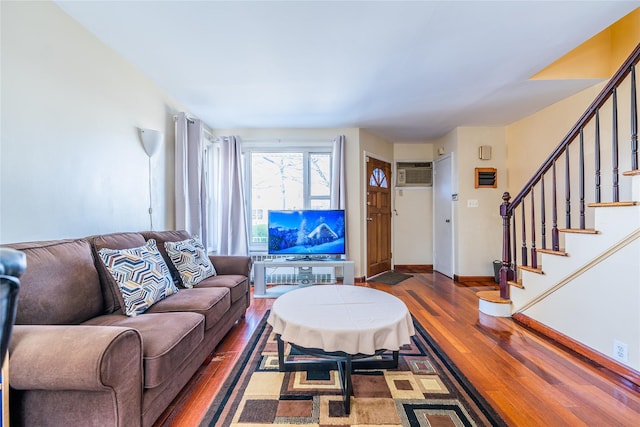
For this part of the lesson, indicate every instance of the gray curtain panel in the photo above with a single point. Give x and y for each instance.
(190, 182)
(233, 233)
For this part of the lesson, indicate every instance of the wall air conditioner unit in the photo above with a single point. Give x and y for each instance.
(414, 174)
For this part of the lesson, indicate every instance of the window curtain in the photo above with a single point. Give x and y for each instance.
(233, 233)
(338, 179)
(190, 182)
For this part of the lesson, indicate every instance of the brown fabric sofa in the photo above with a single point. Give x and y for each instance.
(77, 360)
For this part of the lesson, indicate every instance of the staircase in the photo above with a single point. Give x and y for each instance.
(580, 281)
(616, 232)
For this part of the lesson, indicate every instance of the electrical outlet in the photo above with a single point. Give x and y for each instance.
(620, 351)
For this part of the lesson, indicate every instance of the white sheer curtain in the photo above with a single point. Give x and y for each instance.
(190, 182)
(338, 179)
(233, 235)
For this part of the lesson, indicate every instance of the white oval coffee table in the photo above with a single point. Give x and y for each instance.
(343, 326)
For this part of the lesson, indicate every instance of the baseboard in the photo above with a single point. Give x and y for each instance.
(413, 268)
(623, 374)
(468, 280)
(360, 279)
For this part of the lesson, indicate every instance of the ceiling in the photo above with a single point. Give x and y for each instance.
(404, 70)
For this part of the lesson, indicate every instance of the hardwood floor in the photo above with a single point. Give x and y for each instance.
(529, 381)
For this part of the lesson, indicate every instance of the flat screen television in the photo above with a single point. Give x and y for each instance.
(307, 234)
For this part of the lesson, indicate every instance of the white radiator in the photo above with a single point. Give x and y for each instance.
(288, 275)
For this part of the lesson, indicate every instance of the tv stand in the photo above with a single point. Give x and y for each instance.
(259, 268)
(308, 258)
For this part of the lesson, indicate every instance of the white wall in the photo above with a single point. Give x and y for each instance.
(477, 230)
(412, 212)
(72, 163)
(600, 301)
(480, 227)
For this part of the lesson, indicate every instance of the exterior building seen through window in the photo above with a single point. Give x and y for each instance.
(288, 179)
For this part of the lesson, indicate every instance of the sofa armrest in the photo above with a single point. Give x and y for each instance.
(76, 357)
(232, 264)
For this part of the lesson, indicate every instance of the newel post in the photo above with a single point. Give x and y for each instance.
(506, 273)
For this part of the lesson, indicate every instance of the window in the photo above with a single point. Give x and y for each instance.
(285, 179)
(378, 179)
(257, 214)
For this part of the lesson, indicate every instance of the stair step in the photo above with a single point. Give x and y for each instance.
(579, 230)
(517, 284)
(552, 252)
(492, 296)
(612, 204)
(531, 269)
(632, 173)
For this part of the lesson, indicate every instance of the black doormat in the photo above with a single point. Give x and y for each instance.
(390, 278)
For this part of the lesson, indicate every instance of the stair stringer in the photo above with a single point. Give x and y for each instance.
(600, 305)
(612, 223)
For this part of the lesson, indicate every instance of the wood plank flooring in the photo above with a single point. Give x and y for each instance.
(529, 381)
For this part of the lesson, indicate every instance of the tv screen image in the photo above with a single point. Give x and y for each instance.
(307, 233)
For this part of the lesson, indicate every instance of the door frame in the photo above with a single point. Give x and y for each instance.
(446, 157)
(363, 201)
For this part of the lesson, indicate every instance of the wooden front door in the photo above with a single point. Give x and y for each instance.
(378, 216)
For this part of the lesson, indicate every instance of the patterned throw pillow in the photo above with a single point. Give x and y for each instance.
(191, 261)
(141, 274)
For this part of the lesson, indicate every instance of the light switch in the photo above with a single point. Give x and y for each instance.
(472, 203)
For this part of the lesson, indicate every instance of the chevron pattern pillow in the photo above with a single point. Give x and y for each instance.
(141, 274)
(191, 261)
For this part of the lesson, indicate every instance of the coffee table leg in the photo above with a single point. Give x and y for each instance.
(345, 369)
(348, 389)
(280, 353)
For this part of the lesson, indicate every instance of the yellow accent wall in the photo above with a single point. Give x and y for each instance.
(532, 139)
(600, 56)
(625, 36)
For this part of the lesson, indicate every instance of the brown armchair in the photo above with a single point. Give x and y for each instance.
(12, 265)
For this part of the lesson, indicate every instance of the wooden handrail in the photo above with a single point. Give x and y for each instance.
(575, 130)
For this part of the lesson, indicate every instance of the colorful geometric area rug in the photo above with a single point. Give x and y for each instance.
(425, 390)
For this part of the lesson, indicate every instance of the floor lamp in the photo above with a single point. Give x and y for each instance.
(151, 141)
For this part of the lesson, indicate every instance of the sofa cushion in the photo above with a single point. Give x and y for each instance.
(161, 237)
(190, 259)
(168, 339)
(237, 284)
(141, 275)
(58, 268)
(112, 297)
(212, 303)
